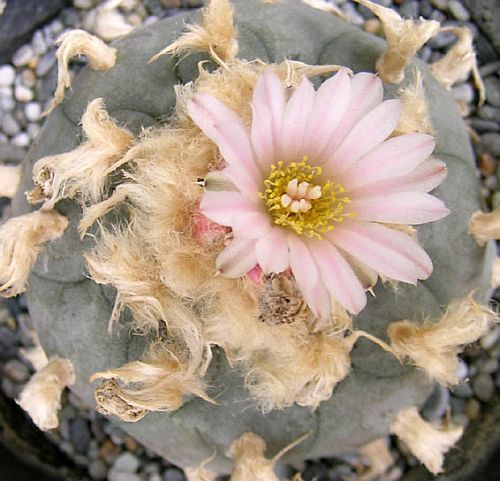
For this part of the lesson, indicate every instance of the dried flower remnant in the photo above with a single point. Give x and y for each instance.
(41, 397)
(84, 171)
(434, 347)
(426, 442)
(459, 62)
(317, 175)
(404, 39)
(21, 240)
(485, 226)
(216, 35)
(72, 44)
(10, 175)
(379, 459)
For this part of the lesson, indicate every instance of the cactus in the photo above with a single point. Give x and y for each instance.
(214, 409)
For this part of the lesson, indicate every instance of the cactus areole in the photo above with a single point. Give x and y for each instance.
(221, 399)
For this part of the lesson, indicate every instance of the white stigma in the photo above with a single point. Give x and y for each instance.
(298, 196)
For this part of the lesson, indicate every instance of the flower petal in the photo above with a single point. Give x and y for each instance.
(245, 183)
(396, 156)
(427, 176)
(367, 92)
(224, 127)
(268, 105)
(391, 253)
(271, 251)
(251, 225)
(369, 132)
(237, 258)
(221, 207)
(297, 112)
(331, 102)
(411, 208)
(318, 299)
(303, 266)
(338, 276)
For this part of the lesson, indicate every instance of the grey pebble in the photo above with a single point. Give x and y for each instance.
(488, 366)
(70, 18)
(440, 4)
(458, 10)
(173, 474)
(490, 142)
(10, 389)
(463, 92)
(154, 477)
(13, 154)
(460, 419)
(438, 16)
(425, 8)
(352, 14)
(437, 403)
(16, 371)
(7, 104)
(409, 9)
(483, 387)
(56, 27)
(45, 64)
(462, 370)
(38, 43)
(23, 56)
(487, 112)
(98, 471)
(32, 110)
(22, 139)
(64, 429)
(489, 68)
(442, 40)
(481, 126)
(492, 85)
(7, 75)
(80, 434)
(425, 53)
(490, 338)
(33, 130)
(126, 463)
(117, 476)
(10, 126)
(463, 390)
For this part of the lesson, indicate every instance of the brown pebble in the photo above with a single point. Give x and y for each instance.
(373, 25)
(171, 3)
(33, 63)
(487, 164)
(131, 444)
(473, 409)
(109, 451)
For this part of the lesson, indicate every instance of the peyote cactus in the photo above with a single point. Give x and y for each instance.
(174, 325)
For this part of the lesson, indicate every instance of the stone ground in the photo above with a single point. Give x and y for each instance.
(93, 443)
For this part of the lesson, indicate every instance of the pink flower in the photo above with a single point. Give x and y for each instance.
(316, 179)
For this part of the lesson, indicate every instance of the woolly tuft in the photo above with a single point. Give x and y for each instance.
(21, 240)
(35, 355)
(459, 62)
(216, 35)
(199, 474)
(404, 39)
(84, 171)
(426, 442)
(485, 226)
(10, 175)
(72, 44)
(325, 7)
(414, 113)
(378, 457)
(159, 383)
(434, 347)
(41, 397)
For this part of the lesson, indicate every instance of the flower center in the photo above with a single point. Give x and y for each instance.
(297, 198)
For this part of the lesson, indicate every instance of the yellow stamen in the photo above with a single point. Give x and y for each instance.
(297, 197)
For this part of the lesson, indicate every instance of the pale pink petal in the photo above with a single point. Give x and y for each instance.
(271, 251)
(224, 127)
(221, 207)
(391, 253)
(303, 266)
(245, 183)
(411, 208)
(251, 225)
(295, 118)
(367, 92)
(396, 156)
(366, 275)
(331, 102)
(237, 258)
(318, 299)
(338, 276)
(268, 105)
(427, 176)
(369, 132)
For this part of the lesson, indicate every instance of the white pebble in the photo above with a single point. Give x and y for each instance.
(458, 10)
(23, 56)
(33, 130)
(21, 140)
(7, 104)
(490, 338)
(23, 94)
(33, 110)
(462, 370)
(83, 4)
(7, 75)
(39, 44)
(10, 125)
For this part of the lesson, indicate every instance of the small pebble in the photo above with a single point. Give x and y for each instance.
(38, 43)
(126, 463)
(488, 366)
(154, 477)
(117, 476)
(83, 4)
(22, 139)
(98, 471)
(481, 125)
(457, 9)
(352, 14)
(489, 68)
(23, 94)
(437, 404)
(10, 389)
(425, 8)
(490, 142)
(109, 451)
(483, 387)
(80, 434)
(442, 40)
(473, 409)
(463, 390)
(23, 56)
(173, 474)
(463, 92)
(492, 85)
(440, 4)
(410, 9)
(56, 27)
(10, 126)
(45, 64)
(490, 338)
(33, 130)
(487, 164)
(33, 110)
(16, 371)
(7, 104)
(7, 75)
(373, 26)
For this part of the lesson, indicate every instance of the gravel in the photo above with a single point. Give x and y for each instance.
(7, 75)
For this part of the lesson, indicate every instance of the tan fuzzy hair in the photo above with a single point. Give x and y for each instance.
(73, 44)
(404, 39)
(485, 226)
(21, 240)
(41, 397)
(414, 108)
(201, 473)
(216, 35)
(426, 442)
(434, 347)
(84, 171)
(378, 457)
(459, 62)
(159, 383)
(10, 176)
